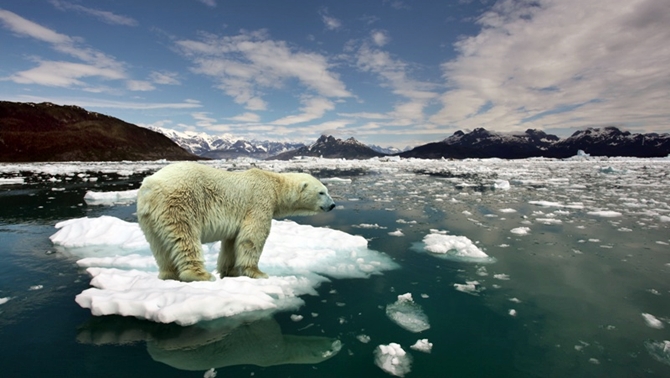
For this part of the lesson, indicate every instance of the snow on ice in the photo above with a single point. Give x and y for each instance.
(297, 257)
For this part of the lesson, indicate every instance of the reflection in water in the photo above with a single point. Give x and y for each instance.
(216, 344)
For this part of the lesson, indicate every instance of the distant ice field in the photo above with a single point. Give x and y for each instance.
(564, 263)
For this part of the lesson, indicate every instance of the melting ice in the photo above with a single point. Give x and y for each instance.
(297, 257)
(407, 314)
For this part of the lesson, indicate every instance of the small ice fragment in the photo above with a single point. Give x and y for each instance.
(393, 359)
(512, 312)
(363, 338)
(469, 287)
(36, 287)
(424, 296)
(452, 247)
(507, 210)
(652, 321)
(4, 300)
(520, 230)
(482, 271)
(660, 350)
(422, 345)
(501, 185)
(397, 232)
(407, 314)
(594, 361)
(211, 373)
(515, 300)
(502, 277)
(296, 317)
(605, 213)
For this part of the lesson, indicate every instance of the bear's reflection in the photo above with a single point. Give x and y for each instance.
(214, 344)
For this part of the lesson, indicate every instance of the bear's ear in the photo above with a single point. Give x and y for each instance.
(304, 186)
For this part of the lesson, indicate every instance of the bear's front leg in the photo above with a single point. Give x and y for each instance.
(247, 254)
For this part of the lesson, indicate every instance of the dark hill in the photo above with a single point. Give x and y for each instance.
(48, 132)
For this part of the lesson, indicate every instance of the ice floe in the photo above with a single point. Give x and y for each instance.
(297, 257)
(451, 247)
(408, 314)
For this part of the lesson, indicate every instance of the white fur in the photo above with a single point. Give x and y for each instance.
(186, 204)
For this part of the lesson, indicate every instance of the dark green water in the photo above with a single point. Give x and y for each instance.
(578, 309)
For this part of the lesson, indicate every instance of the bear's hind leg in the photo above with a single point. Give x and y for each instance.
(226, 261)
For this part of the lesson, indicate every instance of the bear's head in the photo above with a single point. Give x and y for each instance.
(309, 195)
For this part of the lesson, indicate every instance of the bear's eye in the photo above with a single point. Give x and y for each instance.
(322, 193)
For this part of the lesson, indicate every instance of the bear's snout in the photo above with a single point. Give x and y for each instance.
(331, 207)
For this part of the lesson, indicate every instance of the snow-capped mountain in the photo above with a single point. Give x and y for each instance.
(331, 147)
(225, 146)
(480, 143)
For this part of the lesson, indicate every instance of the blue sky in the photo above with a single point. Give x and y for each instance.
(387, 72)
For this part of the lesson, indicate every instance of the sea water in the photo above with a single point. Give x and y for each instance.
(512, 268)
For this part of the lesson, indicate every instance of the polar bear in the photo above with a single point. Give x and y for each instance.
(186, 204)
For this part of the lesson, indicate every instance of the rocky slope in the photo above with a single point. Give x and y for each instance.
(48, 132)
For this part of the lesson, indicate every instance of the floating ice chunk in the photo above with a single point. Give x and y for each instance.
(296, 317)
(408, 314)
(297, 257)
(4, 300)
(574, 205)
(397, 232)
(96, 237)
(520, 230)
(664, 218)
(211, 373)
(501, 185)
(11, 181)
(111, 198)
(451, 247)
(660, 350)
(605, 213)
(652, 321)
(423, 345)
(549, 221)
(469, 287)
(363, 338)
(502, 277)
(512, 312)
(368, 225)
(393, 359)
(36, 287)
(335, 180)
(507, 210)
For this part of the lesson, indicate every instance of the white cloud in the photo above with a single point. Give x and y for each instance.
(562, 64)
(164, 78)
(314, 108)
(59, 73)
(23, 27)
(63, 74)
(209, 3)
(246, 64)
(139, 86)
(331, 22)
(394, 74)
(105, 16)
(246, 117)
(380, 37)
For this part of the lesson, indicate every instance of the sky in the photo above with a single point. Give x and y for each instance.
(387, 72)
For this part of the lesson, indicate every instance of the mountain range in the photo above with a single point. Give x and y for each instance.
(48, 132)
(607, 141)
